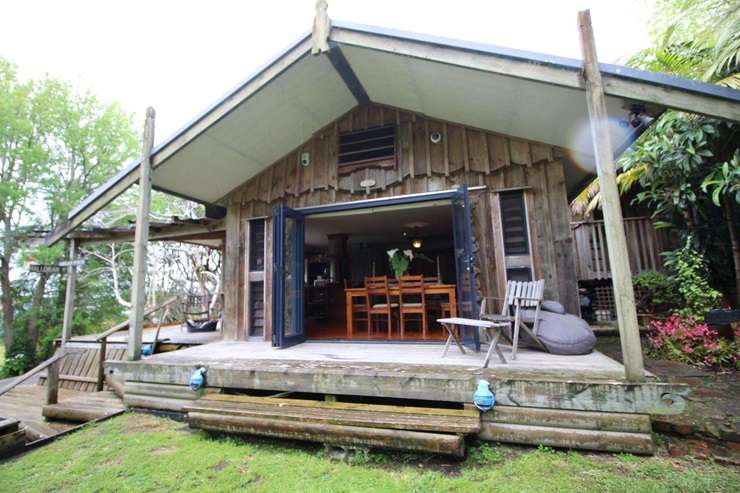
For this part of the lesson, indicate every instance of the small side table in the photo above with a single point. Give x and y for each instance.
(492, 329)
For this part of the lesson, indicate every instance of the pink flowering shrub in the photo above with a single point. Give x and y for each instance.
(683, 339)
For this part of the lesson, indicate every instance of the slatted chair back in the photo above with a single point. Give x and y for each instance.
(524, 295)
(378, 298)
(411, 290)
(412, 301)
(377, 290)
(196, 306)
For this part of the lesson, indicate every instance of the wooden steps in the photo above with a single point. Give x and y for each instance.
(12, 437)
(162, 397)
(85, 407)
(338, 423)
(609, 432)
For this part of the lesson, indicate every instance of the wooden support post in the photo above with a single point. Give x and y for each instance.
(162, 318)
(230, 265)
(101, 364)
(52, 383)
(141, 238)
(624, 296)
(69, 297)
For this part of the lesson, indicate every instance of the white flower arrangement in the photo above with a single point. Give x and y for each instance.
(400, 260)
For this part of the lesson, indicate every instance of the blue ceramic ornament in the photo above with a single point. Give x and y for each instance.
(147, 349)
(198, 379)
(483, 397)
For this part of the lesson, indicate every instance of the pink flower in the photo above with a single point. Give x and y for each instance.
(687, 349)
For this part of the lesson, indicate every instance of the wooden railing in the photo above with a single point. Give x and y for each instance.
(644, 245)
(51, 365)
(103, 338)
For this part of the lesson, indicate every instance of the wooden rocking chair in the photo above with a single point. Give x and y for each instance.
(519, 295)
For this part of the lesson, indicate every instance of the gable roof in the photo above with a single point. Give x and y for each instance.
(523, 94)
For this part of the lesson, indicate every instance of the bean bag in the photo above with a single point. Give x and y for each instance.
(553, 306)
(560, 333)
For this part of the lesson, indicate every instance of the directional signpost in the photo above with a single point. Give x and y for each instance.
(46, 268)
(57, 268)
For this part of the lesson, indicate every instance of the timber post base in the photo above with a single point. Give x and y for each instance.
(584, 430)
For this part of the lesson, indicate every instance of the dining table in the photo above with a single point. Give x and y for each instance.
(350, 294)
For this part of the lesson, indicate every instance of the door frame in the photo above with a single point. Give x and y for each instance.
(279, 239)
(279, 339)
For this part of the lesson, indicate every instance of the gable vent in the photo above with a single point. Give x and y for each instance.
(375, 146)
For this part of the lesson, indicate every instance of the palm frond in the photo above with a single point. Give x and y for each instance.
(580, 205)
(731, 81)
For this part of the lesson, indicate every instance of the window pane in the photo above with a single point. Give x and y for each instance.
(514, 223)
(257, 245)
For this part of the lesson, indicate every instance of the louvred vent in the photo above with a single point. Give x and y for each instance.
(363, 148)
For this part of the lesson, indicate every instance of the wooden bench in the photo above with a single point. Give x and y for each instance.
(492, 329)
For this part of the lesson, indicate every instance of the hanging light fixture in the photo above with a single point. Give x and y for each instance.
(415, 238)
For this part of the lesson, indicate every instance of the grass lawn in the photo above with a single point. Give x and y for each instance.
(136, 452)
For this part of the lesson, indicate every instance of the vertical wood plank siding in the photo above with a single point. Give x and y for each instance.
(465, 155)
(644, 246)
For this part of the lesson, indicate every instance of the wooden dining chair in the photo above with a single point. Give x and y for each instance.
(359, 310)
(411, 301)
(378, 302)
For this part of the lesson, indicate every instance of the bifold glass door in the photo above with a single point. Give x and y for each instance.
(462, 230)
(288, 238)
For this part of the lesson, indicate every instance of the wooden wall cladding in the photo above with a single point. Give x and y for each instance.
(430, 166)
(464, 155)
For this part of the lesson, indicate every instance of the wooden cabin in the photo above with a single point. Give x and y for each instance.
(358, 140)
(353, 209)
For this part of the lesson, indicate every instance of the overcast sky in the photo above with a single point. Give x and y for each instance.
(180, 56)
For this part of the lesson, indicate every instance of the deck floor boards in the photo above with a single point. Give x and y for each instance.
(25, 403)
(328, 354)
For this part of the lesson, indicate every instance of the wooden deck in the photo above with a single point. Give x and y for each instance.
(565, 401)
(594, 365)
(169, 334)
(25, 403)
(591, 382)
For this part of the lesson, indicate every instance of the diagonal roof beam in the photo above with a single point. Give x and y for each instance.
(344, 69)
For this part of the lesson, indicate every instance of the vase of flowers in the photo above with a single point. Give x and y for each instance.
(400, 260)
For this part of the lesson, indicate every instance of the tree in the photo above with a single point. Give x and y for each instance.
(21, 160)
(684, 160)
(56, 146)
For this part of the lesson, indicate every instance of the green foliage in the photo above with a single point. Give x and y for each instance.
(20, 358)
(107, 457)
(724, 181)
(674, 165)
(686, 166)
(400, 260)
(688, 269)
(57, 146)
(655, 293)
(485, 454)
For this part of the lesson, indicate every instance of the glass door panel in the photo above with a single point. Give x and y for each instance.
(288, 239)
(462, 229)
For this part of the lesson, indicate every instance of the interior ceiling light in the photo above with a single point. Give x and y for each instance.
(415, 239)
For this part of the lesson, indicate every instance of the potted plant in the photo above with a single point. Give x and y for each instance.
(400, 260)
